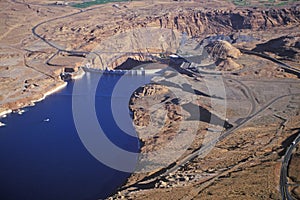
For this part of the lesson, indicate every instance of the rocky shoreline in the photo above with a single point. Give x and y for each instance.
(27, 103)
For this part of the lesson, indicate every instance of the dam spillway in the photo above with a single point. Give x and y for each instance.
(133, 72)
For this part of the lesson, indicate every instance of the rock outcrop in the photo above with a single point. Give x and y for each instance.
(224, 55)
(222, 50)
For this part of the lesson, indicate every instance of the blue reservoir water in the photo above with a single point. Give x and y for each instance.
(46, 160)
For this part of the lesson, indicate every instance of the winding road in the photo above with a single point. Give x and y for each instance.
(76, 52)
(284, 168)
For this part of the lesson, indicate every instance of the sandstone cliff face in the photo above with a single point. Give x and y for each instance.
(149, 32)
(196, 22)
(139, 44)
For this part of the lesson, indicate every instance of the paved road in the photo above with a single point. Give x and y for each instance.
(284, 168)
(224, 135)
(281, 64)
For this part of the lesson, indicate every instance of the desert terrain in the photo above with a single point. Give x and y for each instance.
(219, 129)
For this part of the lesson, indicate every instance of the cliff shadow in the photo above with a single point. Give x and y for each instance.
(277, 46)
(198, 113)
(287, 142)
(131, 63)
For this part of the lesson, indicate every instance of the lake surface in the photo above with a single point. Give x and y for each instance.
(45, 159)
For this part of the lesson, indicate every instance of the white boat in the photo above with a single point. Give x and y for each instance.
(47, 120)
(20, 112)
(2, 124)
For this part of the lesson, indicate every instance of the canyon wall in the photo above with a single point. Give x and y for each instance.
(150, 32)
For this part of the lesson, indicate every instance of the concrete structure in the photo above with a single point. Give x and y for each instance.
(134, 72)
